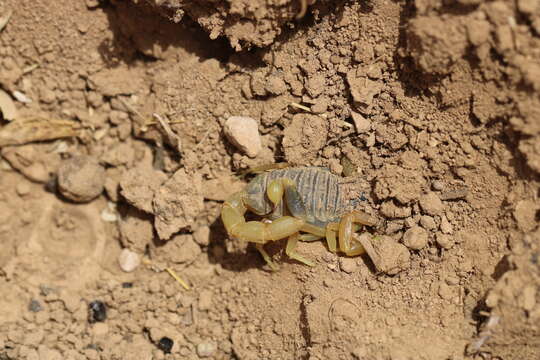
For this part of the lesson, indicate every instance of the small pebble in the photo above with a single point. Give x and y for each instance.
(128, 260)
(202, 236)
(437, 185)
(23, 188)
(348, 265)
(416, 238)
(34, 306)
(455, 194)
(81, 178)
(165, 344)
(127, 285)
(7, 106)
(97, 311)
(243, 132)
(446, 227)
(206, 349)
(428, 222)
(21, 97)
(319, 107)
(445, 241)
(361, 124)
(431, 204)
(275, 85)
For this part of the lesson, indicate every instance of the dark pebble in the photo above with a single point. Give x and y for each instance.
(127, 285)
(97, 311)
(165, 344)
(34, 306)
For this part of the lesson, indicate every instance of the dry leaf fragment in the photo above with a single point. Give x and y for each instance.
(31, 129)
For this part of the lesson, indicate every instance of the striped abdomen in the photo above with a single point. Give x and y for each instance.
(318, 188)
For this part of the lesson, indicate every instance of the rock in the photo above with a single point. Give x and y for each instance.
(348, 265)
(361, 124)
(7, 106)
(390, 210)
(437, 185)
(243, 132)
(431, 204)
(182, 249)
(388, 256)
(416, 238)
(202, 235)
(446, 292)
(363, 90)
(23, 188)
(525, 215)
(428, 222)
(128, 260)
(138, 186)
(445, 226)
(527, 6)
(444, 241)
(275, 85)
(206, 349)
(177, 203)
(81, 178)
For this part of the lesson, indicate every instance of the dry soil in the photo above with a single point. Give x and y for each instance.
(429, 109)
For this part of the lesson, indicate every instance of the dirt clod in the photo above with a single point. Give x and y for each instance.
(388, 256)
(176, 203)
(416, 238)
(81, 178)
(431, 204)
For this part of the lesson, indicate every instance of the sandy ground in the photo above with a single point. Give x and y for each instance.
(429, 110)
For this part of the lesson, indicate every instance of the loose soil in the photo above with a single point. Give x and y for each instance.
(428, 109)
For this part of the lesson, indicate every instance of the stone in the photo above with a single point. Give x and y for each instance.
(81, 178)
(431, 204)
(128, 260)
(387, 255)
(243, 132)
(361, 124)
(7, 106)
(525, 215)
(202, 235)
(416, 238)
(428, 222)
(206, 349)
(444, 241)
(348, 265)
(445, 226)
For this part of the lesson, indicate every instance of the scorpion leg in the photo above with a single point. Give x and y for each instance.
(331, 231)
(346, 229)
(266, 257)
(290, 250)
(310, 237)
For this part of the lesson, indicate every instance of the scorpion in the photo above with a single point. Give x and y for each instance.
(298, 203)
